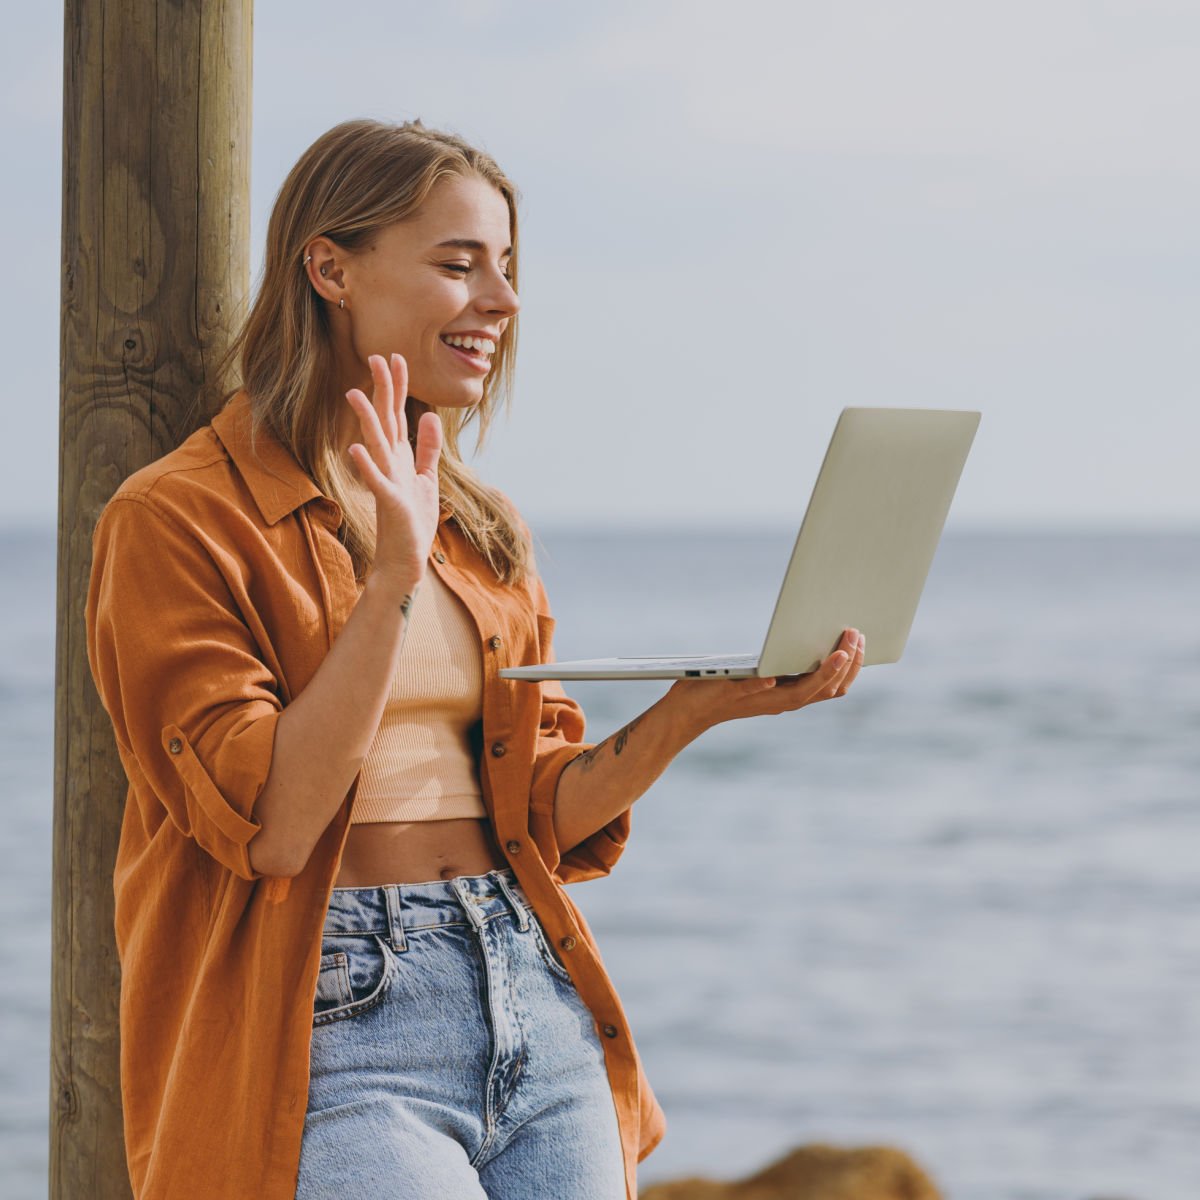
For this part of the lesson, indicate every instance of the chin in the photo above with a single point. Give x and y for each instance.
(456, 399)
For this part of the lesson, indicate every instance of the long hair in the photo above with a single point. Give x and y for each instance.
(352, 182)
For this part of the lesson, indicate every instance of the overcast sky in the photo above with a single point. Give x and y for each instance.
(738, 218)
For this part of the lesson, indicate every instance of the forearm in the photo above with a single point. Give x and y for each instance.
(604, 781)
(324, 734)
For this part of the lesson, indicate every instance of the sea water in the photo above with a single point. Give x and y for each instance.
(957, 911)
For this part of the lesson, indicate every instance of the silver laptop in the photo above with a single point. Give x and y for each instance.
(860, 559)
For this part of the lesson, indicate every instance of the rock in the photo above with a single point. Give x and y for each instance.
(815, 1172)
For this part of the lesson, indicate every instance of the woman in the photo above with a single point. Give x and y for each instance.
(349, 965)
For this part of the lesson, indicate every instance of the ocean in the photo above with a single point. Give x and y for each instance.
(957, 911)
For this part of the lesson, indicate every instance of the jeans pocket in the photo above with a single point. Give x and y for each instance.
(356, 971)
(548, 953)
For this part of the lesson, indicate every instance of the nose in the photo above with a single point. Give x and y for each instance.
(500, 298)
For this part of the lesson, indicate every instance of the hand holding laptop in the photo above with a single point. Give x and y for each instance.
(704, 703)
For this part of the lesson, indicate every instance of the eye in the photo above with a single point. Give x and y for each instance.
(464, 269)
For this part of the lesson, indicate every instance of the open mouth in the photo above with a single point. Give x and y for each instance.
(476, 350)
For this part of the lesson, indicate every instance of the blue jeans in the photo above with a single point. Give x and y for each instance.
(452, 1058)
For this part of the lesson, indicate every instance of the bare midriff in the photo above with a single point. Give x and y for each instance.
(418, 851)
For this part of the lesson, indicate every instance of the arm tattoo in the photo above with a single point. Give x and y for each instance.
(587, 759)
(405, 611)
(623, 736)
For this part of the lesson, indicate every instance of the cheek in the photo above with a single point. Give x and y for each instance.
(387, 322)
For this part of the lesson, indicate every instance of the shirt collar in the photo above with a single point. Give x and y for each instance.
(275, 479)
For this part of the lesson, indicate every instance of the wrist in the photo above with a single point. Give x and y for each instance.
(685, 715)
(398, 585)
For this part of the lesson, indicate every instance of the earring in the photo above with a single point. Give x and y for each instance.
(342, 302)
(323, 270)
(306, 261)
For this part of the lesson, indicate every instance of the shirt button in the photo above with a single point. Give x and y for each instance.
(568, 943)
(610, 1031)
(499, 749)
(175, 746)
(439, 556)
(495, 642)
(513, 847)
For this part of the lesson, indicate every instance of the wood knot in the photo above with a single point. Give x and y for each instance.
(67, 1102)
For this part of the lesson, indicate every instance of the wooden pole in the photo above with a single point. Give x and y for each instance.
(156, 171)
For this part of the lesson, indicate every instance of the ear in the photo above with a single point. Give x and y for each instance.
(324, 263)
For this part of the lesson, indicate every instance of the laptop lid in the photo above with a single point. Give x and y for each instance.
(869, 534)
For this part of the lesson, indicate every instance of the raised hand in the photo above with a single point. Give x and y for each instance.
(404, 482)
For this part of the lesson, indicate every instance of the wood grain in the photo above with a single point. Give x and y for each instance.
(155, 245)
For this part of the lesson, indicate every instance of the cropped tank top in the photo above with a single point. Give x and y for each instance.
(421, 765)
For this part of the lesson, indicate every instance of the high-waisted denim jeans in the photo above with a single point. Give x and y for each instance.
(452, 1058)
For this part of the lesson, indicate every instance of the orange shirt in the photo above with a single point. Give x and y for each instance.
(218, 585)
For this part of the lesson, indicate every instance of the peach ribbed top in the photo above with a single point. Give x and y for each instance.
(421, 766)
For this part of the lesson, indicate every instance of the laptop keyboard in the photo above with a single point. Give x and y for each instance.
(710, 660)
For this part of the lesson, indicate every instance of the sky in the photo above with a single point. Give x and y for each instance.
(739, 218)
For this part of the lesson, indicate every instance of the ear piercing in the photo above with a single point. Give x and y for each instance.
(324, 270)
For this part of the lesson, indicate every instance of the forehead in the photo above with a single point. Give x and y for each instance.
(462, 207)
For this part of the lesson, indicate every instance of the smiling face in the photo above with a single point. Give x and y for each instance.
(433, 288)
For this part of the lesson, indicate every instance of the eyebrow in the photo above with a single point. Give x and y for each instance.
(472, 244)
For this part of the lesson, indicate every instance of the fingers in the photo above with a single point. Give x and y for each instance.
(383, 398)
(855, 664)
(399, 378)
(382, 418)
(830, 680)
(368, 472)
(840, 664)
(374, 440)
(429, 444)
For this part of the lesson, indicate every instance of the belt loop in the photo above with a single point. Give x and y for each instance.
(517, 907)
(395, 920)
(463, 892)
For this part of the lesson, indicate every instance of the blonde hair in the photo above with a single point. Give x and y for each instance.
(351, 183)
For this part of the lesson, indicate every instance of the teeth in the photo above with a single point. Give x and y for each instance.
(480, 345)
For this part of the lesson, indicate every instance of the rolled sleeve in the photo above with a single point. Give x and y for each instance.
(193, 706)
(215, 816)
